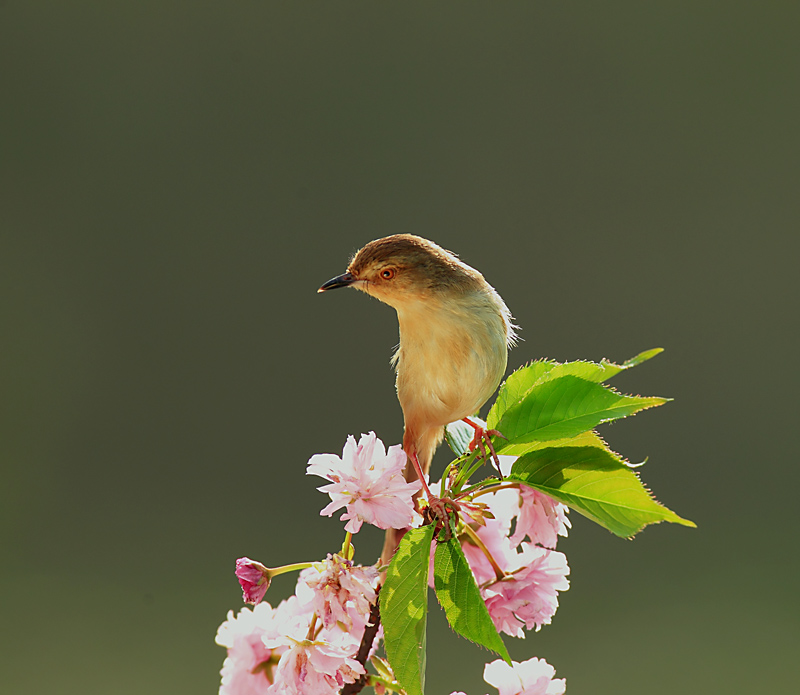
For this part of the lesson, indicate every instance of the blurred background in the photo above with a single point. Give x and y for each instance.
(178, 178)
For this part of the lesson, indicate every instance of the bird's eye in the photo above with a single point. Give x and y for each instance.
(387, 273)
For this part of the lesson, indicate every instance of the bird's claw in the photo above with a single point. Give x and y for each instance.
(482, 440)
(440, 511)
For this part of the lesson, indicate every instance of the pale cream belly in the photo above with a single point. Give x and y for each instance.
(446, 377)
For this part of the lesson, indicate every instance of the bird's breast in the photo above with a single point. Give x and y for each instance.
(451, 358)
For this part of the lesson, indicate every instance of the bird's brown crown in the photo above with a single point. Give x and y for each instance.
(408, 263)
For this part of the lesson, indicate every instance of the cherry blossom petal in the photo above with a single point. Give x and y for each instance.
(540, 518)
(531, 677)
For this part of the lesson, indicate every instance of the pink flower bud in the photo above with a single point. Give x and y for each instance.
(254, 578)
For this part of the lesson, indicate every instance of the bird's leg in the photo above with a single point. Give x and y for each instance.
(481, 437)
(418, 469)
(438, 508)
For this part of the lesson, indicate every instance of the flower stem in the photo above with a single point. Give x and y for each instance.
(391, 686)
(489, 490)
(477, 541)
(345, 551)
(312, 628)
(275, 571)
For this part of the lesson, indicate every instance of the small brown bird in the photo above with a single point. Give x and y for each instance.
(455, 331)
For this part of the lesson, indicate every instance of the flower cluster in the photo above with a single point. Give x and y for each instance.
(525, 591)
(519, 573)
(340, 593)
(309, 642)
(305, 645)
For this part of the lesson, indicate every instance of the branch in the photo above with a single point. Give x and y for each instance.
(373, 624)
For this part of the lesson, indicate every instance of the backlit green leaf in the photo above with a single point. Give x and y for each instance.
(404, 609)
(520, 382)
(565, 407)
(642, 357)
(590, 438)
(515, 387)
(461, 599)
(596, 483)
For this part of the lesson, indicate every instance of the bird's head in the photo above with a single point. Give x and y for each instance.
(403, 268)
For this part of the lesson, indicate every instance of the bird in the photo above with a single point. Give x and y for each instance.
(455, 333)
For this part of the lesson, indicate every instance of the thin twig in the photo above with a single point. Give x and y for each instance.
(373, 624)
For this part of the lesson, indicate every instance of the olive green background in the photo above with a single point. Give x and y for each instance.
(177, 179)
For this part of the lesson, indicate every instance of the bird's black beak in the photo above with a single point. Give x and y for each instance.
(339, 281)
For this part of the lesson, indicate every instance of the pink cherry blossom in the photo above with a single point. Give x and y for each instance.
(494, 534)
(367, 480)
(314, 667)
(248, 667)
(290, 624)
(306, 658)
(540, 518)
(258, 640)
(339, 593)
(529, 597)
(504, 506)
(254, 578)
(531, 677)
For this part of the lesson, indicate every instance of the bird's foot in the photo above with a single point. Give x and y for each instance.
(482, 441)
(443, 512)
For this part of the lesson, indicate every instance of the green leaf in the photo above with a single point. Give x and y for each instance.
(404, 609)
(604, 370)
(458, 436)
(590, 438)
(461, 599)
(513, 389)
(565, 407)
(591, 371)
(642, 357)
(520, 382)
(596, 483)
